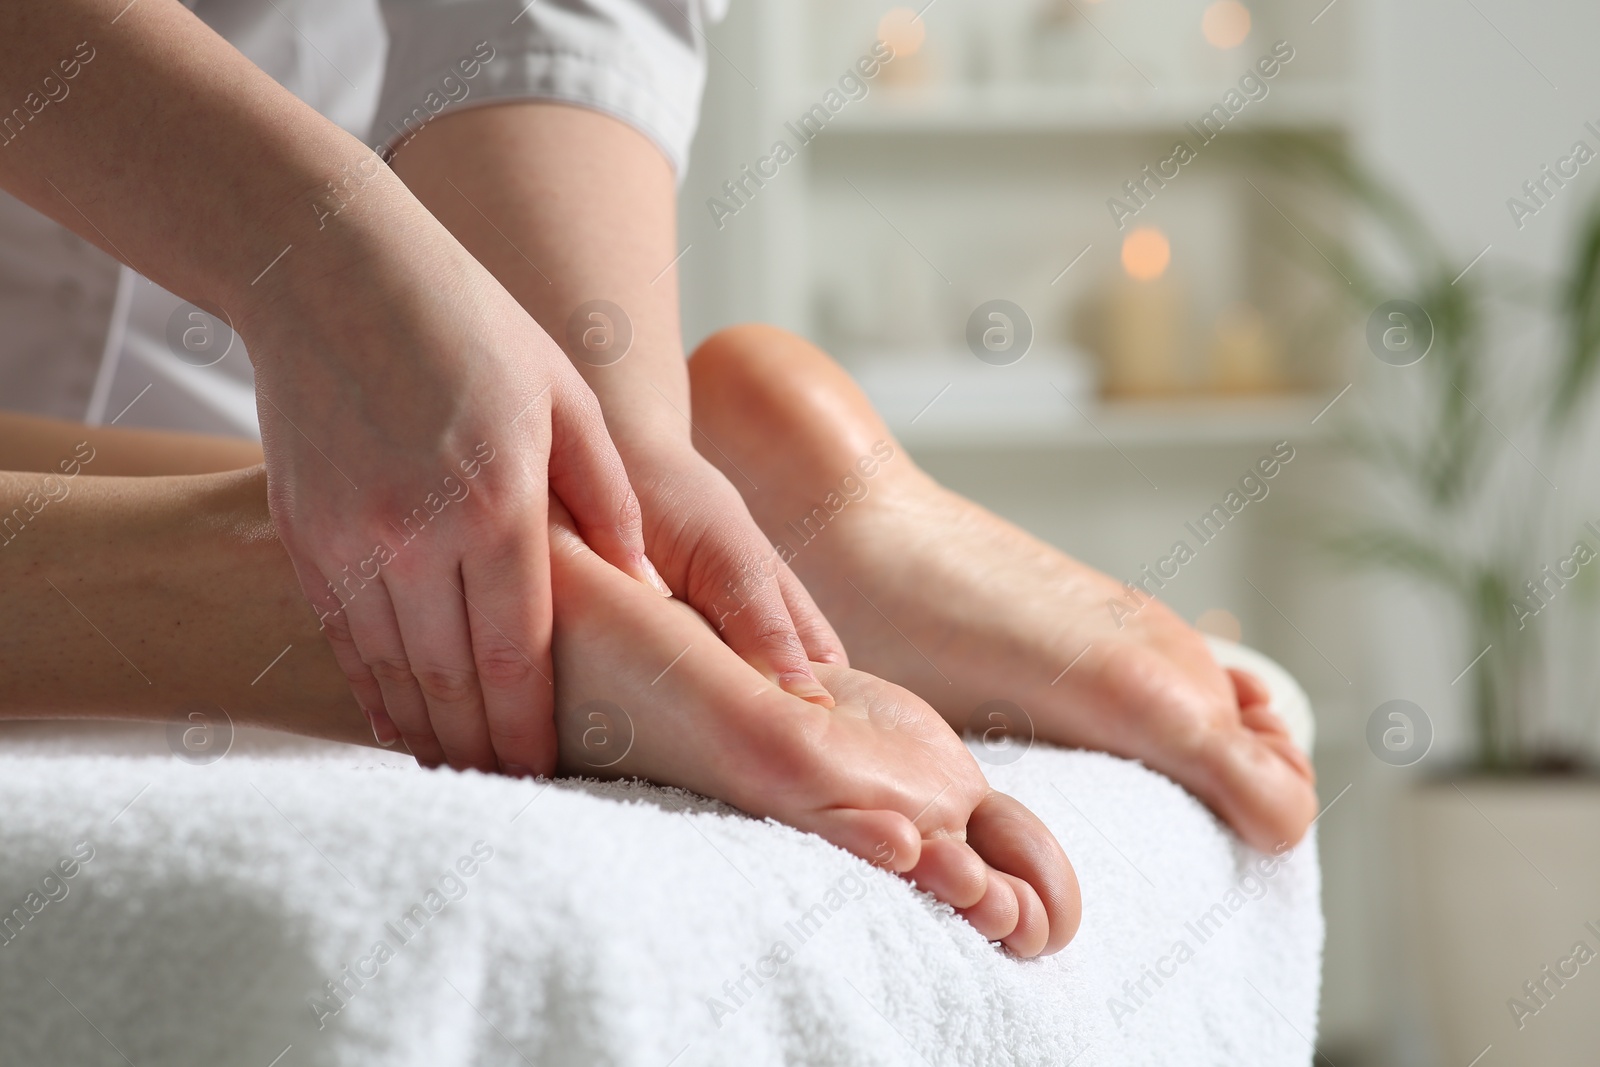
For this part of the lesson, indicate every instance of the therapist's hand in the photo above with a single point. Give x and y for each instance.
(386, 358)
(701, 535)
(567, 207)
(411, 412)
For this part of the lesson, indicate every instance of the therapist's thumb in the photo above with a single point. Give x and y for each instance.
(586, 472)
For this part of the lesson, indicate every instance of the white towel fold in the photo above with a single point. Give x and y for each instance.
(572, 923)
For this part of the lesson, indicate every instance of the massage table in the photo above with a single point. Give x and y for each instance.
(286, 903)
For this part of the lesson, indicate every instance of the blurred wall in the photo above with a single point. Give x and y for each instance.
(1457, 103)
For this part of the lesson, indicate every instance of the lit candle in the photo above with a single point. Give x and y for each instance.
(1144, 318)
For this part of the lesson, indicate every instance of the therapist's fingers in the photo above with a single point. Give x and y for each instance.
(336, 626)
(376, 632)
(816, 633)
(507, 593)
(587, 474)
(438, 648)
(730, 573)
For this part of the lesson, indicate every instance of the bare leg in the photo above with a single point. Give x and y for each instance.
(29, 443)
(139, 596)
(997, 613)
(136, 596)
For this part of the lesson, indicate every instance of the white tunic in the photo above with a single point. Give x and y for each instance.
(84, 338)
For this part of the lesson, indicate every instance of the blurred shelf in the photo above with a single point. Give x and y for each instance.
(1197, 422)
(1022, 108)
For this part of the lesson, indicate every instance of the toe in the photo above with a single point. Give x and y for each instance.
(1228, 747)
(1262, 786)
(1032, 930)
(884, 839)
(1249, 689)
(951, 871)
(995, 915)
(1012, 839)
(1271, 730)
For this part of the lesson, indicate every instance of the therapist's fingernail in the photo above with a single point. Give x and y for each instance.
(806, 687)
(658, 583)
(384, 730)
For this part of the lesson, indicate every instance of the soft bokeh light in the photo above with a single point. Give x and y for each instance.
(1226, 24)
(902, 30)
(1219, 622)
(1146, 253)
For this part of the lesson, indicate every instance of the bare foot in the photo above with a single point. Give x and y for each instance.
(645, 688)
(936, 594)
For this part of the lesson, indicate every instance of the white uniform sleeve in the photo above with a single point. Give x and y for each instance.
(642, 61)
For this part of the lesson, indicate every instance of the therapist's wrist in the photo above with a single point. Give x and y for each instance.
(332, 248)
(664, 463)
(647, 430)
(644, 396)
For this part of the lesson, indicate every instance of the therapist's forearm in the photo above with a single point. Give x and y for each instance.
(171, 151)
(565, 205)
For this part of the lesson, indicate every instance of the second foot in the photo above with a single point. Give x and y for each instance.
(937, 594)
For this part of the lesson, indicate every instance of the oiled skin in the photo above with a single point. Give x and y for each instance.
(934, 593)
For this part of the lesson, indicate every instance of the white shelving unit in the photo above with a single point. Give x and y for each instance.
(1223, 422)
(1075, 110)
(894, 191)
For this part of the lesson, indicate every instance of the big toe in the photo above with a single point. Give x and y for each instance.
(1014, 841)
(1262, 785)
(1215, 733)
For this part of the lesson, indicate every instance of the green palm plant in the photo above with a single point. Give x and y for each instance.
(1579, 305)
(1462, 523)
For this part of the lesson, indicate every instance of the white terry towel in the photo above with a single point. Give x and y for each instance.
(465, 919)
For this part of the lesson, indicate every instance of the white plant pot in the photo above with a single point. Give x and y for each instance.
(1503, 881)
